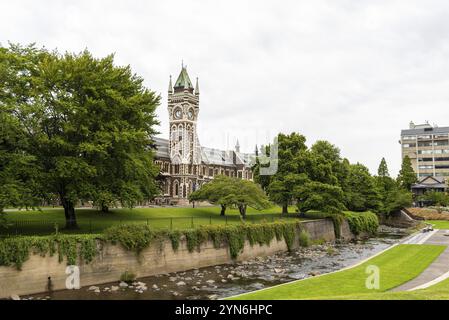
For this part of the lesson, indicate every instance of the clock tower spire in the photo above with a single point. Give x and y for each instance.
(183, 109)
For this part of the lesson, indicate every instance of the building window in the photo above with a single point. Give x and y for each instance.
(425, 159)
(425, 144)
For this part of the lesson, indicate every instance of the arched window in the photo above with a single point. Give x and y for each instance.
(175, 188)
(180, 132)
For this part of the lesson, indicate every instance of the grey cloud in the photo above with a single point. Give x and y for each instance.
(354, 72)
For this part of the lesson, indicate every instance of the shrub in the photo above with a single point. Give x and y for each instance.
(131, 237)
(127, 277)
(304, 238)
(362, 222)
(175, 237)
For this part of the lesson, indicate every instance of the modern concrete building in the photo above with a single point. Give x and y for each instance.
(428, 149)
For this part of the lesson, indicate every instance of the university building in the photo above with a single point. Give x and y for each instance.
(186, 165)
(428, 149)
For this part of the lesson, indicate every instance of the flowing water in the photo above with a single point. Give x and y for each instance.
(226, 280)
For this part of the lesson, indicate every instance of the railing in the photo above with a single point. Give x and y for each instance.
(46, 227)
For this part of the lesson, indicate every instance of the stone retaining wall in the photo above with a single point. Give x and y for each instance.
(114, 260)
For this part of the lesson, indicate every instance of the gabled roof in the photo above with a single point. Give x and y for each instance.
(183, 80)
(161, 147)
(209, 155)
(216, 156)
(430, 182)
(246, 159)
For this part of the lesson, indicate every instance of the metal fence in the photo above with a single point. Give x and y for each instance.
(46, 227)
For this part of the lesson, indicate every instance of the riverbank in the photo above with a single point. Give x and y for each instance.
(217, 282)
(140, 251)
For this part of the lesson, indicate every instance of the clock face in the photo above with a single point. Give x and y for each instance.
(178, 113)
(190, 114)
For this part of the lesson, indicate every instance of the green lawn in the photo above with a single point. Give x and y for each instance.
(439, 291)
(93, 221)
(397, 266)
(439, 224)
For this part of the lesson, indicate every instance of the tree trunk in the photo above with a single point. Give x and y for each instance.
(285, 208)
(223, 210)
(242, 209)
(70, 217)
(104, 208)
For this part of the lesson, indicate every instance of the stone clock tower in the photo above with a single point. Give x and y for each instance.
(184, 164)
(183, 108)
(184, 147)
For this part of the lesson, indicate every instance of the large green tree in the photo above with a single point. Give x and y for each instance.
(216, 192)
(361, 191)
(18, 171)
(87, 125)
(392, 196)
(315, 195)
(292, 158)
(407, 176)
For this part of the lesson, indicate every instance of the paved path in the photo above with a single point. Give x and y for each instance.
(421, 237)
(437, 270)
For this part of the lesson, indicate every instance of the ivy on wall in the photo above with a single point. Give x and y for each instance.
(363, 222)
(15, 251)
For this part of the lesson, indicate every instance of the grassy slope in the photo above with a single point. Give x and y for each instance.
(89, 220)
(397, 265)
(439, 224)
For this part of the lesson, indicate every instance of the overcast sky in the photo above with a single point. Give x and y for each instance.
(354, 72)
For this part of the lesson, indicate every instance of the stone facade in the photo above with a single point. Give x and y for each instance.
(185, 165)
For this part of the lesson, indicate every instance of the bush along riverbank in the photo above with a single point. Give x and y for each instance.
(360, 223)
